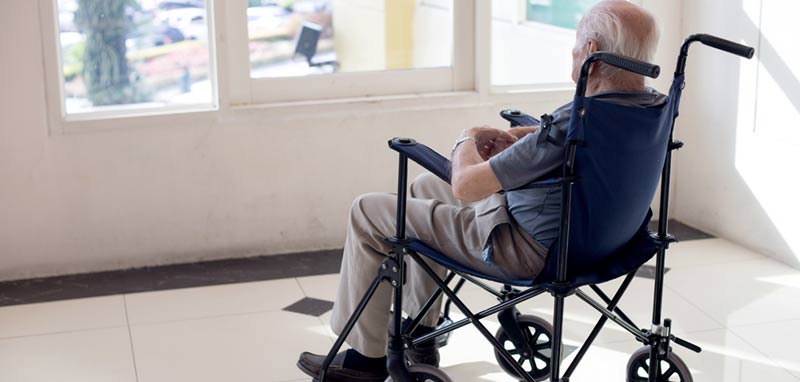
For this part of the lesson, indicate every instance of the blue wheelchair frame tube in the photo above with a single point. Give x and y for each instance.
(396, 361)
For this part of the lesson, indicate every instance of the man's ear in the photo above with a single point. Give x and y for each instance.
(591, 47)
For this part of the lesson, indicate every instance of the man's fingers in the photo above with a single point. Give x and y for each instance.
(507, 136)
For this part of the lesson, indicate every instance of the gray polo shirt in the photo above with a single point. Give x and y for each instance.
(538, 211)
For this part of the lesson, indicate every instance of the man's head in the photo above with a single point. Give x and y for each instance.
(617, 26)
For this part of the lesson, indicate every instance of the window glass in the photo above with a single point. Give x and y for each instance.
(142, 53)
(532, 40)
(290, 38)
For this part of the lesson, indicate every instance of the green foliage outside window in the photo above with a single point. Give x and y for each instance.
(561, 13)
(105, 67)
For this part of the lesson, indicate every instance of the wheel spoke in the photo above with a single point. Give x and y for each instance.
(642, 362)
(665, 376)
(536, 366)
(534, 336)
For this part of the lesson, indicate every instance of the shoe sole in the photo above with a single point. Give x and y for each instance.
(311, 374)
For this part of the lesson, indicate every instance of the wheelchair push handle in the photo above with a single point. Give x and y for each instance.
(714, 42)
(619, 61)
(726, 45)
(627, 63)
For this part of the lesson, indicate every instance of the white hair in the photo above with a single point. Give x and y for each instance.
(631, 35)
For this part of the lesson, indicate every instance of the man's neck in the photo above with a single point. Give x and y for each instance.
(595, 87)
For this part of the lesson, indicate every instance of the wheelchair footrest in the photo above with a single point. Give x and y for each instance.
(442, 340)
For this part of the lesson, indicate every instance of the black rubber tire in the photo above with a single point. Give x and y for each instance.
(673, 369)
(426, 373)
(540, 333)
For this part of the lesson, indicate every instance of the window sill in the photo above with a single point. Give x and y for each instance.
(413, 102)
(332, 108)
(137, 111)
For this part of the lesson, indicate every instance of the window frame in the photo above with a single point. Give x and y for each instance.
(467, 85)
(60, 119)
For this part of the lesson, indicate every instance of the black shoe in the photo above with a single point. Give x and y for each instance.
(425, 353)
(428, 355)
(311, 364)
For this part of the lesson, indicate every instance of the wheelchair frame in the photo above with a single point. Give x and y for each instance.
(393, 269)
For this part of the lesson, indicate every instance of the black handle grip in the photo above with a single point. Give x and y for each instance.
(686, 344)
(627, 63)
(518, 118)
(726, 45)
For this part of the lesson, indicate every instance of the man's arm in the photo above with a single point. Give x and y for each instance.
(472, 178)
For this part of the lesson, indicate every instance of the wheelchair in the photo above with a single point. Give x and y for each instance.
(610, 174)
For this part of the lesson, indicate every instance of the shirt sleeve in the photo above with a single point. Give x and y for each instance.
(524, 162)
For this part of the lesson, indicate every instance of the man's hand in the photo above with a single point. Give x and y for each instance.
(472, 177)
(521, 131)
(490, 141)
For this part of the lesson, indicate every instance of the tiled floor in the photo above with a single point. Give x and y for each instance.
(741, 307)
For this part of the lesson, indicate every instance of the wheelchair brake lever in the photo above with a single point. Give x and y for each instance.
(685, 344)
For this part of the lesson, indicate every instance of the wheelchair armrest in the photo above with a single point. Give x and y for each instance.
(423, 155)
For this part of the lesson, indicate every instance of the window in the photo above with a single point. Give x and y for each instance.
(299, 50)
(121, 57)
(299, 38)
(532, 40)
(116, 58)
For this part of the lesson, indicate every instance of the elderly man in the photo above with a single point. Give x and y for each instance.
(504, 235)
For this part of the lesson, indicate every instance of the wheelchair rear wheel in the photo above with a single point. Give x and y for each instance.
(426, 373)
(673, 369)
(539, 334)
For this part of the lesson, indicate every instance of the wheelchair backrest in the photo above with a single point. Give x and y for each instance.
(619, 153)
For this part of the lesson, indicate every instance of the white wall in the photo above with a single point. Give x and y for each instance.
(241, 181)
(737, 176)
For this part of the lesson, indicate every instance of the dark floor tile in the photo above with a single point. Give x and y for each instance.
(681, 231)
(208, 273)
(310, 306)
(170, 277)
(649, 271)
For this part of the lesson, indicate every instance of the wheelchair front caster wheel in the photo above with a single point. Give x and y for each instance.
(426, 373)
(539, 334)
(673, 369)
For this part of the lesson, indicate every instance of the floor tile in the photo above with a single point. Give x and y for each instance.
(778, 341)
(321, 287)
(698, 253)
(325, 320)
(85, 356)
(580, 318)
(62, 316)
(310, 306)
(725, 357)
(181, 304)
(259, 347)
(741, 293)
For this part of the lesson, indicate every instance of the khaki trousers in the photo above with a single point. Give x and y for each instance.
(457, 229)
